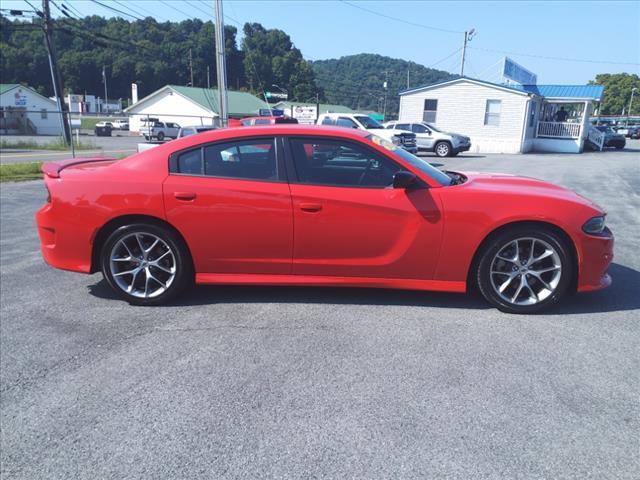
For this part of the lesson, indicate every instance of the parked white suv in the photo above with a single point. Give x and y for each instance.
(430, 139)
(160, 130)
(402, 138)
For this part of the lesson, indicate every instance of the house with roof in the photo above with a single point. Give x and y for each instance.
(188, 106)
(506, 118)
(23, 111)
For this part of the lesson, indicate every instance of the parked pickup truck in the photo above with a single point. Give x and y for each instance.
(404, 139)
(430, 139)
(160, 130)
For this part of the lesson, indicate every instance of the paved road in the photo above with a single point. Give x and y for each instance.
(252, 382)
(110, 146)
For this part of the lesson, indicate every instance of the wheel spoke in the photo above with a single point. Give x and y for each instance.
(133, 281)
(518, 290)
(533, 295)
(142, 250)
(506, 283)
(152, 246)
(128, 259)
(545, 270)
(533, 244)
(547, 253)
(164, 269)
(124, 244)
(127, 272)
(539, 278)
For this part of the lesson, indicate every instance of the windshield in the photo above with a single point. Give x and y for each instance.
(422, 165)
(368, 122)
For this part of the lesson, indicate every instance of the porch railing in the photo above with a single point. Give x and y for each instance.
(596, 137)
(558, 130)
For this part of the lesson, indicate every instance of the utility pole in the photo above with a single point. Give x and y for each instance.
(191, 67)
(384, 107)
(407, 78)
(104, 79)
(221, 64)
(208, 78)
(55, 73)
(467, 38)
(633, 90)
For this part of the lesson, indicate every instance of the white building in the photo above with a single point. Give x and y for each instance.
(506, 118)
(92, 104)
(25, 111)
(191, 106)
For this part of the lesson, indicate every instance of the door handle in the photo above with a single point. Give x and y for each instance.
(185, 196)
(310, 207)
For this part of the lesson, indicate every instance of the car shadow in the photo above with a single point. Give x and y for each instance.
(622, 295)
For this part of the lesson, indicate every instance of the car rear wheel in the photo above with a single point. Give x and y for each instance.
(146, 264)
(525, 270)
(442, 149)
(161, 136)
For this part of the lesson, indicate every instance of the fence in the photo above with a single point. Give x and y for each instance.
(558, 130)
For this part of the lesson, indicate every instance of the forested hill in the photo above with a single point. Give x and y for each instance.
(357, 81)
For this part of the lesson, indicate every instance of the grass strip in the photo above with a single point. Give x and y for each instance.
(58, 145)
(19, 172)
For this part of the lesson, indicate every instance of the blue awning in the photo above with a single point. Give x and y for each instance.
(582, 92)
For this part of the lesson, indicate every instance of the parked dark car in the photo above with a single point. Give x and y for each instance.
(611, 138)
(633, 132)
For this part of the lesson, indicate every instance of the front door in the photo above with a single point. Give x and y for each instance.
(348, 219)
(231, 203)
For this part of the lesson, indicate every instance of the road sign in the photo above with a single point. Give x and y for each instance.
(275, 96)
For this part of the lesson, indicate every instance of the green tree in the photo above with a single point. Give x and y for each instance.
(617, 93)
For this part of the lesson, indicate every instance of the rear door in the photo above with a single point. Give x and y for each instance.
(232, 204)
(348, 219)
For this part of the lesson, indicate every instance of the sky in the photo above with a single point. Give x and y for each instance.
(583, 37)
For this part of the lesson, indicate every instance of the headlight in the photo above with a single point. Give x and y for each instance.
(594, 226)
(396, 140)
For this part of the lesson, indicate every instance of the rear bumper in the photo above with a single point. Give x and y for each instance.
(596, 256)
(63, 245)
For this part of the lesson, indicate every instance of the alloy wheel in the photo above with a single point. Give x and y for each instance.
(442, 150)
(525, 271)
(142, 265)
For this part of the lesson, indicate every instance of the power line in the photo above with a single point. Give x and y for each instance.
(419, 25)
(108, 7)
(176, 9)
(198, 8)
(562, 59)
(142, 15)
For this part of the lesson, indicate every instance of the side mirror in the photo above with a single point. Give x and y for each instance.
(404, 179)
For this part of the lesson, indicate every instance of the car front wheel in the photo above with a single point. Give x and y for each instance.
(146, 264)
(442, 149)
(525, 270)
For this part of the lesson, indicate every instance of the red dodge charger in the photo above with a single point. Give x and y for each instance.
(307, 205)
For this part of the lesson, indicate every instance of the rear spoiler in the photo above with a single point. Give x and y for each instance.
(53, 169)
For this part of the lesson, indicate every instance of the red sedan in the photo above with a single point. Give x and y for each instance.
(307, 205)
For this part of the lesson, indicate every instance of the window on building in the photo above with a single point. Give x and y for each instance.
(430, 110)
(492, 112)
(43, 114)
(340, 163)
(532, 114)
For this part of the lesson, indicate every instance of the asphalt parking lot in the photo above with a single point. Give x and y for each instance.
(256, 382)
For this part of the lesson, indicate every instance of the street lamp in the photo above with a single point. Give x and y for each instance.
(280, 88)
(633, 90)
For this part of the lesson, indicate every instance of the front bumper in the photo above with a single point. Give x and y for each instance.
(413, 149)
(462, 148)
(595, 257)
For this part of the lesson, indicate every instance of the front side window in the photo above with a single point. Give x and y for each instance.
(492, 112)
(430, 110)
(340, 163)
(403, 126)
(346, 122)
(328, 121)
(250, 159)
(417, 128)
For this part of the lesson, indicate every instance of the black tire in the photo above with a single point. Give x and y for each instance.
(499, 244)
(442, 149)
(619, 147)
(147, 138)
(160, 136)
(179, 259)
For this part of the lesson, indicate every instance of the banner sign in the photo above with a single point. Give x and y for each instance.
(305, 114)
(517, 73)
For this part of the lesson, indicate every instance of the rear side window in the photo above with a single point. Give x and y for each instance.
(190, 163)
(250, 159)
(328, 121)
(262, 121)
